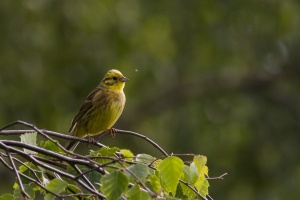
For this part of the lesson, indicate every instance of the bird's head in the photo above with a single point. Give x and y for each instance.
(114, 80)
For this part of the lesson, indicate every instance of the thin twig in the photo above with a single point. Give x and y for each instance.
(31, 158)
(45, 133)
(57, 162)
(34, 181)
(84, 177)
(153, 195)
(32, 171)
(192, 188)
(217, 178)
(137, 135)
(25, 195)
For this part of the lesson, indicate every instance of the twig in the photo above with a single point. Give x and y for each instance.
(33, 180)
(137, 135)
(138, 181)
(36, 161)
(33, 171)
(194, 190)
(217, 178)
(84, 177)
(25, 195)
(57, 162)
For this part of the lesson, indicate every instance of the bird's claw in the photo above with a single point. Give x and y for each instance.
(112, 132)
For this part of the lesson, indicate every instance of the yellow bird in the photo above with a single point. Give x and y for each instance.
(101, 108)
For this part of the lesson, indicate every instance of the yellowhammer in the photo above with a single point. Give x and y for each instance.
(101, 108)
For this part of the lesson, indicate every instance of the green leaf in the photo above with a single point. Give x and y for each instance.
(179, 193)
(200, 162)
(187, 177)
(73, 188)
(128, 155)
(138, 171)
(104, 151)
(56, 186)
(135, 193)
(202, 186)
(70, 169)
(201, 183)
(186, 174)
(28, 189)
(194, 174)
(24, 170)
(170, 171)
(49, 145)
(30, 139)
(93, 176)
(114, 184)
(155, 184)
(187, 191)
(7, 197)
(144, 158)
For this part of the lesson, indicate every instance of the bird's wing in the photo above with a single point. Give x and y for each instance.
(86, 106)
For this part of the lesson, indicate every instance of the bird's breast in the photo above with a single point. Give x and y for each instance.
(108, 111)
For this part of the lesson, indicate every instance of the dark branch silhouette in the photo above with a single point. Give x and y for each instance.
(70, 166)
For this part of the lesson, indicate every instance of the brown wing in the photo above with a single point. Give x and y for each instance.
(86, 106)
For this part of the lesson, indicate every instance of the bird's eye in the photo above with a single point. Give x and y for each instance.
(114, 78)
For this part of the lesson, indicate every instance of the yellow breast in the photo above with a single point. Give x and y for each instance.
(101, 108)
(105, 112)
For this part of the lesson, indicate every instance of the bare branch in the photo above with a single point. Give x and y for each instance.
(136, 135)
(25, 195)
(218, 178)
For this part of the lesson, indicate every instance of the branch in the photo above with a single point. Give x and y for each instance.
(59, 163)
(136, 135)
(194, 190)
(218, 178)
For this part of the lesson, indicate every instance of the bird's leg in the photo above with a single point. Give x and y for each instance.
(112, 132)
(90, 139)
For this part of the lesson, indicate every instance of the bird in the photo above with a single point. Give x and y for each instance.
(100, 109)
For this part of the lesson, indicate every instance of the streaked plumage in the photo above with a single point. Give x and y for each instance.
(101, 108)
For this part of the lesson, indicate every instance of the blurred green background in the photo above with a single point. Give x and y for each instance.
(220, 79)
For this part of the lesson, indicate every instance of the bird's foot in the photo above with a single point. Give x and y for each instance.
(90, 140)
(112, 132)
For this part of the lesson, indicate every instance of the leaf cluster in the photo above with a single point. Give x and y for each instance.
(48, 169)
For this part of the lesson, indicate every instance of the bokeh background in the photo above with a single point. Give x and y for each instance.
(220, 79)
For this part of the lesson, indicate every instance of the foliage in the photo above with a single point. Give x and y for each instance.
(107, 173)
(216, 77)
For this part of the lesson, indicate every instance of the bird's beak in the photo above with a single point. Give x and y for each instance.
(124, 79)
